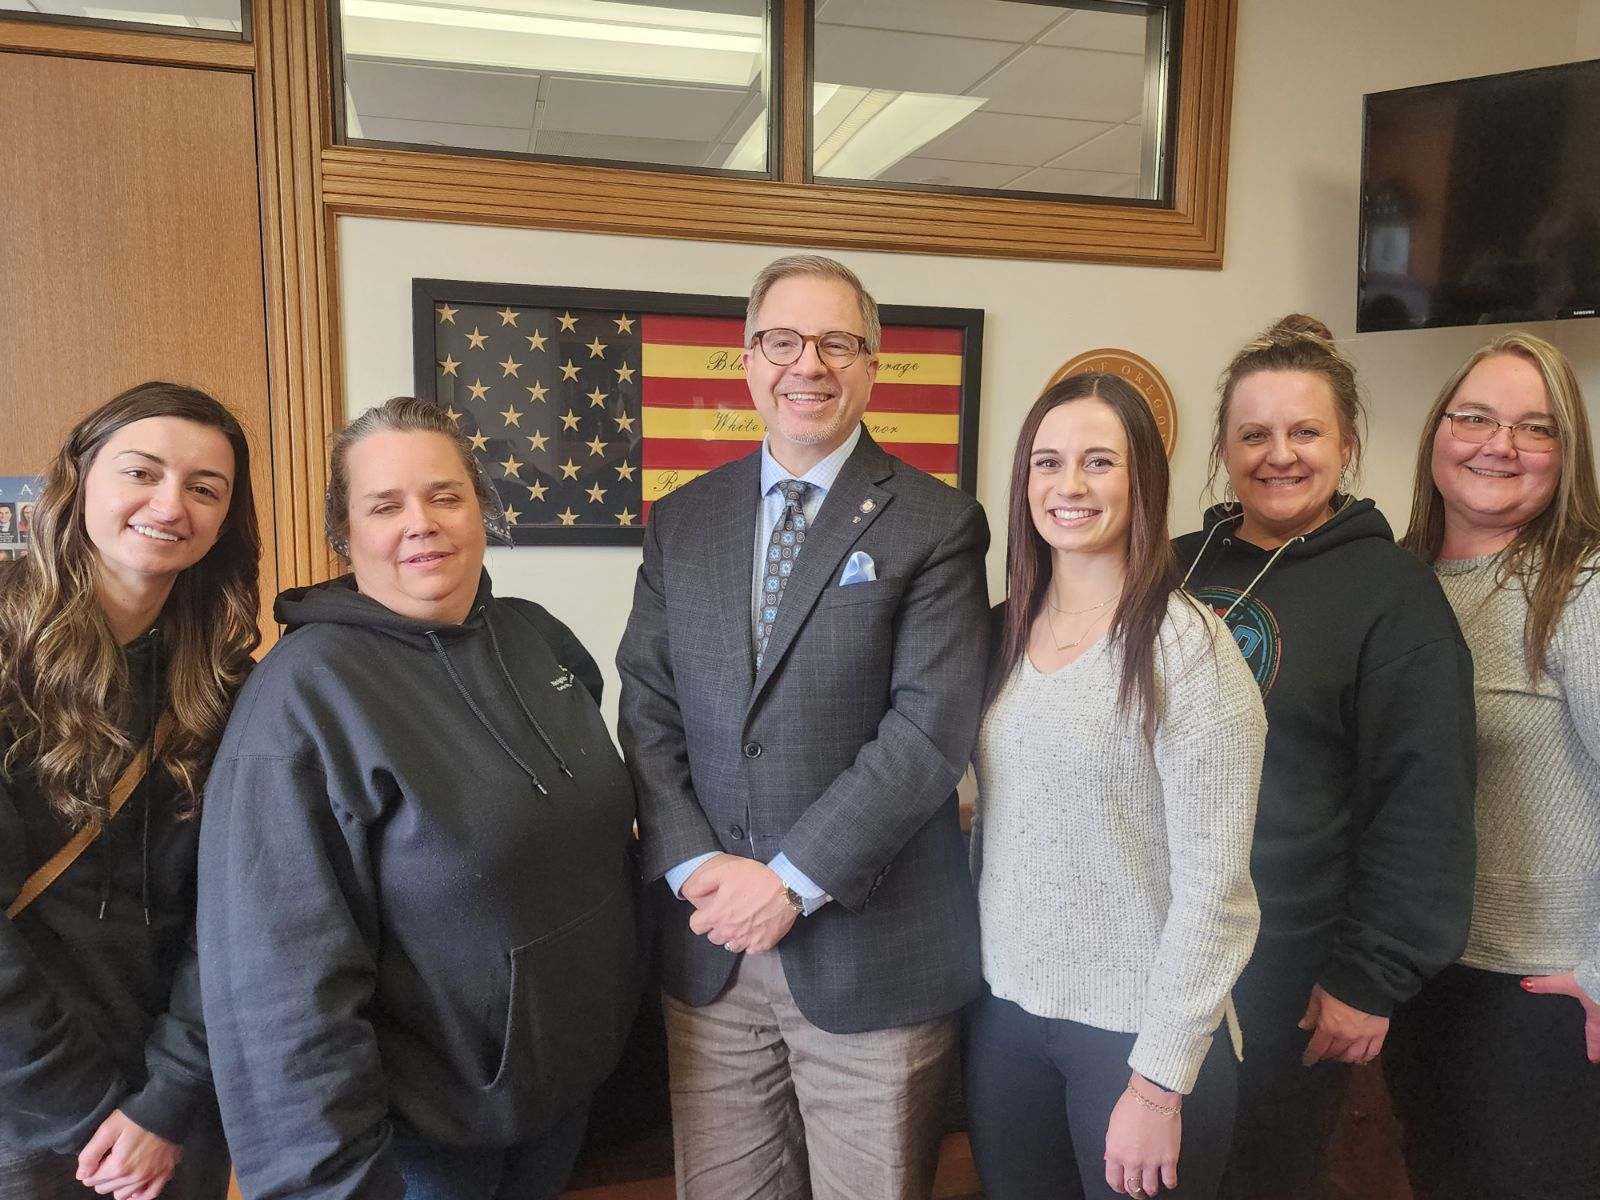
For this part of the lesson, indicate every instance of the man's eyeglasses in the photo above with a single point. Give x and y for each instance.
(783, 347)
(1478, 428)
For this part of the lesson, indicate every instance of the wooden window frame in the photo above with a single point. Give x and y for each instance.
(789, 210)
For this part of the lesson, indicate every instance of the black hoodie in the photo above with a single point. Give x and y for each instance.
(1364, 833)
(99, 999)
(415, 903)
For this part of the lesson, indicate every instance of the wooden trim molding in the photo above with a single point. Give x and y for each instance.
(491, 191)
(299, 265)
(125, 45)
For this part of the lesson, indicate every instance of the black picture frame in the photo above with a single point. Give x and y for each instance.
(428, 295)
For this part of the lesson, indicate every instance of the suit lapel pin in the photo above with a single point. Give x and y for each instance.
(867, 506)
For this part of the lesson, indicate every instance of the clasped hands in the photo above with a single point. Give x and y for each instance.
(739, 904)
(126, 1161)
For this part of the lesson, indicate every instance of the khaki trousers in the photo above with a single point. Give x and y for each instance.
(766, 1106)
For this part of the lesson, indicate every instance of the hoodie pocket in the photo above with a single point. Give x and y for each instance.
(572, 1000)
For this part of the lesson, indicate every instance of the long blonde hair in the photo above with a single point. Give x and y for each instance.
(64, 678)
(1550, 551)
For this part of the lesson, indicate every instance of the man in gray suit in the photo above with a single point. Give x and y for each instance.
(801, 680)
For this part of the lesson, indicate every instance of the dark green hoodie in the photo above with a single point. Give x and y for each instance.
(1364, 833)
(415, 902)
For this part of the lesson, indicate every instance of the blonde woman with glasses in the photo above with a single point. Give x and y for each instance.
(1495, 1065)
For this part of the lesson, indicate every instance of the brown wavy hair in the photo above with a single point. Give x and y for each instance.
(63, 677)
(1552, 550)
(1152, 574)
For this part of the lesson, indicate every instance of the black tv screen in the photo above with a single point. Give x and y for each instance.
(1480, 201)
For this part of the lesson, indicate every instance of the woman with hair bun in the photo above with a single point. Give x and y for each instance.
(124, 634)
(1363, 849)
(1495, 1065)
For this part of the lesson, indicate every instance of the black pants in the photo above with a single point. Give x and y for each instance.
(1286, 1111)
(1496, 1098)
(1039, 1099)
(536, 1169)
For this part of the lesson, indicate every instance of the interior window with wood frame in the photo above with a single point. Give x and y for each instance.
(1079, 129)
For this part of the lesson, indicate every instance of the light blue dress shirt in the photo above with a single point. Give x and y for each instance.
(821, 477)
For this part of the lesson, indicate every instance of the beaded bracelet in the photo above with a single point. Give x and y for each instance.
(1153, 1106)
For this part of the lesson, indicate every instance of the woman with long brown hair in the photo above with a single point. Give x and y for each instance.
(1117, 762)
(1363, 840)
(124, 634)
(1495, 1064)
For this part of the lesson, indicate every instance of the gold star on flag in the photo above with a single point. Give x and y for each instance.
(535, 340)
(568, 322)
(569, 370)
(477, 339)
(624, 423)
(479, 442)
(625, 517)
(536, 441)
(453, 414)
(625, 471)
(596, 447)
(446, 313)
(624, 374)
(513, 517)
(597, 349)
(624, 323)
(569, 420)
(597, 494)
(478, 388)
(507, 317)
(597, 398)
(512, 416)
(512, 467)
(568, 517)
(449, 365)
(510, 367)
(536, 491)
(569, 470)
(537, 391)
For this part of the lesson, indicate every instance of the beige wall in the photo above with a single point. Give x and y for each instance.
(1302, 67)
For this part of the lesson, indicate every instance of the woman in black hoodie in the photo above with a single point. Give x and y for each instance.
(1363, 852)
(123, 636)
(416, 914)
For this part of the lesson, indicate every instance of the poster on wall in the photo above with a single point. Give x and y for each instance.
(586, 406)
(18, 494)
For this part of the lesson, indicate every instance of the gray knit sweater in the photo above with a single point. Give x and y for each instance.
(1536, 902)
(1114, 876)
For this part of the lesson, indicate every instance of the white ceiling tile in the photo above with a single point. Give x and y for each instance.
(620, 108)
(1006, 138)
(1119, 148)
(991, 19)
(440, 133)
(948, 173)
(1123, 32)
(1074, 183)
(663, 151)
(463, 97)
(1084, 84)
(904, 62)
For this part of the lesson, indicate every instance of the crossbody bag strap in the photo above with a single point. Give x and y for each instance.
(34, 885)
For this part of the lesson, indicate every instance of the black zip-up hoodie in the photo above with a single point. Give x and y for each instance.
(1364, 833)
(99, 997)
(415, 900)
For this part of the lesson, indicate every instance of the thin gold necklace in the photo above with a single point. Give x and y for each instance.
(1055, 638)
(1078, 612)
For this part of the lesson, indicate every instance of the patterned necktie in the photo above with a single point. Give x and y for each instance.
(788, 535)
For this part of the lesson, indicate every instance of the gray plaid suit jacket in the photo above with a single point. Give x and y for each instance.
(843, 751)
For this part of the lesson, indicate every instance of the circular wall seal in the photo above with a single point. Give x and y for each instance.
(1147, 381)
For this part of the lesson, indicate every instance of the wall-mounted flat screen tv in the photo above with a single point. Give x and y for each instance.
(1480, 201)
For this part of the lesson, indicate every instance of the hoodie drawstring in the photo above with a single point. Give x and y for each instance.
(455, 678)
(1260, 575)
(494, 642)
(1210, 533)
(106, 856)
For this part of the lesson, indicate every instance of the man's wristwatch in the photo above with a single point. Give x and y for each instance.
(795, 902)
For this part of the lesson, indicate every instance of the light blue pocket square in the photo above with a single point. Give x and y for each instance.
(858, 568)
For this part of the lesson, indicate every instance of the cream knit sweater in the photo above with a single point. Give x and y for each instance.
(1536, 899)
(1114, 876)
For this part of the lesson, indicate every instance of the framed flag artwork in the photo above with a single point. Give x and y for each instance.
(585, 406)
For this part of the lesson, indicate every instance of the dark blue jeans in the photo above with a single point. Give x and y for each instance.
(1039, 1099)
(536, 1169)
